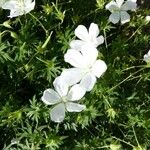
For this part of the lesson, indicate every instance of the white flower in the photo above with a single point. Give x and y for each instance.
(19, 7)
(147, 18)
(118, 9)
(86, 67)
(87, 37)
(147, 57)
(63, 98)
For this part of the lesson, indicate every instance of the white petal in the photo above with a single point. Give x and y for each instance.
(88, 81)
(99, 68)
(114, 17)
(57, 114)
(50, 97)
(125, 17)
(100, 40)
(93, 30)
(119, 2)
(9, 5)
(112, 6)
(82, 33)
(74, 107)
(89, 55)
(72, 76)
(15, 13)
(77, 44)
(75, 58)
(146, 58)
(61, 86)
(129, 5)
(29, 6)
(76, 93)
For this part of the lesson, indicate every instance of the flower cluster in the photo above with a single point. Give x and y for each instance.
(74, 82)
(71, 86)
(119, 10)
(18, 7)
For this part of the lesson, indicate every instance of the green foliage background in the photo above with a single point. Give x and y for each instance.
(31, 56)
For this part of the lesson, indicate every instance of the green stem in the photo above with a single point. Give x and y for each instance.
(46, 32)
(123, 141)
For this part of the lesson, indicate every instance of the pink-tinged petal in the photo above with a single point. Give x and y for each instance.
(99, 68)
(112, 6)
(75, 58)
(57, 114)
(74, 107)
(93, 30)
(90, 54)
(114, 17)
(61, 86)
(129, 5)
(119, 2)
(125, 17)
(76, 93)
(50, 97)
(99, 40)
(77, 44)
(88, 81)
(72, 76)
(82, 33)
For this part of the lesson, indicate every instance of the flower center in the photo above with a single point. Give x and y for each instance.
(64, 99)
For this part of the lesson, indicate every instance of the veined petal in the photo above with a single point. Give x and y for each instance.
(114, 17)
(50, 97)
(74, 107)
(99, 68)
(77, 44)
(57, 114)
(93, 30)
(112, 6)
(119, 2)
(76, 93)
(90, 54)
(99, 40)
(88, 81)
(82, 33)
(75, 58)
(72, 76)
(125, 17)
(61, 86)
(129, 5)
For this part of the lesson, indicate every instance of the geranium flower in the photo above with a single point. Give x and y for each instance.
(147, 57)
(118, 9)
(18, 7)
(63, 99)
(86, 67)
(87, 37)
